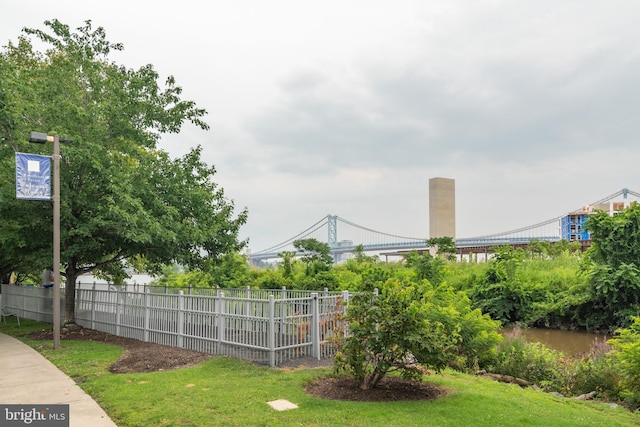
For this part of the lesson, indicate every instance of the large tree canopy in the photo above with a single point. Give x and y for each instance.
(122, 199)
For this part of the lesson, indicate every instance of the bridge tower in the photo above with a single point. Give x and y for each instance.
(332, 227)
(442, 208)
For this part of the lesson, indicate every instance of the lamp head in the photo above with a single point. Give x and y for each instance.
(38, 137)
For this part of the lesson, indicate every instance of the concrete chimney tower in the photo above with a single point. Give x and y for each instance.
(442, 208)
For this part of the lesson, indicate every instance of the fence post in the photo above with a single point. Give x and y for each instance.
(345, 325)
(180, 319)
(345, 299)
(24, 304)
(221, 320)
(271, 331)
(283, 308)
(315, 326)
(246, 322)
(93, 306)
(118, 311)
(147, 314)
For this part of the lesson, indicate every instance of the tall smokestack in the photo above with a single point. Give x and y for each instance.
(442, 208)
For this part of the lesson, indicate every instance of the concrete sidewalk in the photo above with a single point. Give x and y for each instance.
(26, 377)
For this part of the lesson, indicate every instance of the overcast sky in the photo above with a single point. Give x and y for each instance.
(350, 107)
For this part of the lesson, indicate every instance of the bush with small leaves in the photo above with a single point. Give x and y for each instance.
(408, 327)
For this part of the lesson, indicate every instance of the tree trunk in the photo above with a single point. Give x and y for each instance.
(70, 296)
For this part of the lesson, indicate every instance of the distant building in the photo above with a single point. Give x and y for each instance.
(572, 225)
(442, 208)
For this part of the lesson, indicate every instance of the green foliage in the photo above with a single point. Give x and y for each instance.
(231, 270)
(615, 239)
(386, 331)
(543, 291)
(531, 361)
(287, 264)
(426, 266)
(360, 257)
(627, 352)
(410, 324)
(615, 294)
(478, 332)
(595, 371)
(317, 255)
(613, 267)
(502, 294)
(445, 247)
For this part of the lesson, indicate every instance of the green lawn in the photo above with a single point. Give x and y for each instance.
(228, 392)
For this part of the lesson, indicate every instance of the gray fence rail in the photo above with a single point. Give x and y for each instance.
(262, 326)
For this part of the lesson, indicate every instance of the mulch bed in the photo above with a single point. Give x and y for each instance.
(139, 356)
(390, 389)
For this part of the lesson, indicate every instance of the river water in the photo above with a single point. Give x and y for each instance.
(571, 343)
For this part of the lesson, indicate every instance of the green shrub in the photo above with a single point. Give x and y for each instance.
(627, 353)
(595, 371)
(477, 331)
(392, 332)
(410, 325)
(530, 361)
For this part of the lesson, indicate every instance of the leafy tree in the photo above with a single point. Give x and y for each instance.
(230, 271)
(432, 267)
(360, 257)
(502, 292)
(426, 266)
(613, 267)
(563, 246)
(286, 265)
(121, 197)
(175, 277)
(445, 247)
(316, 255)
(538, 248)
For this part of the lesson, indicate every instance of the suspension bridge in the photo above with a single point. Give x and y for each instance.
(353, 235)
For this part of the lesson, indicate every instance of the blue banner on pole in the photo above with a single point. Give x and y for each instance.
(33, 177)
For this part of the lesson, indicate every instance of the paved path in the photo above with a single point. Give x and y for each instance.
(26, 377)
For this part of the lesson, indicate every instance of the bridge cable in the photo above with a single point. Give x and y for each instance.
(296, 237)
(380, 232)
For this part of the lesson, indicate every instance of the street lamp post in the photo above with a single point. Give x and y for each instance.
(41, 138)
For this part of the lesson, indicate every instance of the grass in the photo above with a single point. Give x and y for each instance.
(228, 392)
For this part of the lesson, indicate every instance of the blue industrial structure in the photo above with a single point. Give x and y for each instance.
(569, 227)
(573, 228)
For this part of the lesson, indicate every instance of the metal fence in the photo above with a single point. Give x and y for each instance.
(31, 302)
(262, 326)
